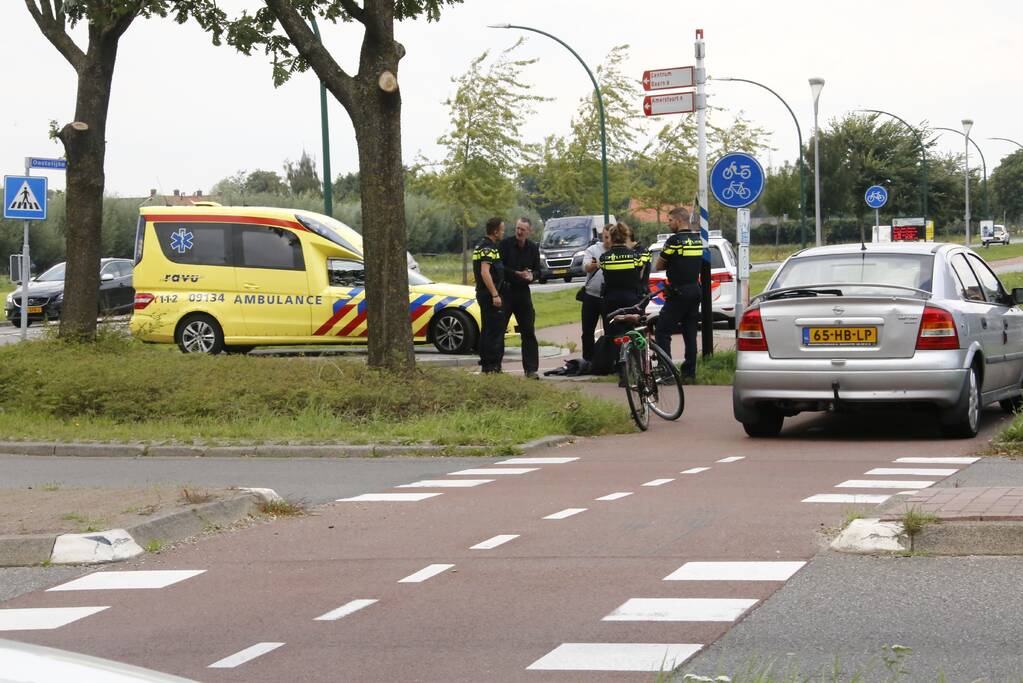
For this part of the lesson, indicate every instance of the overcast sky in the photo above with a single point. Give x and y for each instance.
(185, 114)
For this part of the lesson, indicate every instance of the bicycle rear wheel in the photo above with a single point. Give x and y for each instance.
(665, 393)
(632, 373)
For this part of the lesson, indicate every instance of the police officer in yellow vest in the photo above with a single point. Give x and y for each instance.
(490, 284)
(681, 259)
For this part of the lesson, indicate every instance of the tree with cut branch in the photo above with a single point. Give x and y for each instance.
(84, 139)
(372, 99)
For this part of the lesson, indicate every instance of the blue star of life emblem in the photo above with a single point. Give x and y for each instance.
(181, 241)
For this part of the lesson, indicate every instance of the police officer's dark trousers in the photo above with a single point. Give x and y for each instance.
(492, 334)
(518, 301)
(682, 307)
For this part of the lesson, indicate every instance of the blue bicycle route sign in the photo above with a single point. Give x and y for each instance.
(737, 179)
(876, 196)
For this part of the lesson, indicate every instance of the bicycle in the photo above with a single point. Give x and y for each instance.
(648, 373)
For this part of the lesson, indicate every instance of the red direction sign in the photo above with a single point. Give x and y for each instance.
(665, 79)
(677, 103)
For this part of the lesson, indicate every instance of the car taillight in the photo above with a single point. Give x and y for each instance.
(723, 276)
(751, 335)
(937, 330)
(142, 300)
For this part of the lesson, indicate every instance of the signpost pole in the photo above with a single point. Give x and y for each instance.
(26, 274)
(706, 313)
(742, 230)
(877, 219)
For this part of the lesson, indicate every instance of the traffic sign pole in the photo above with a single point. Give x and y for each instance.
(706, 312)
(742, 230)
(26, 271)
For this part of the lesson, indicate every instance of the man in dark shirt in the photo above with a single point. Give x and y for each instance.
(490, 282)
(521, 259)
(681, 258)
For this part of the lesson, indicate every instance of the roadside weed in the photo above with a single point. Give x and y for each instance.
(913, 522)
(194, 496)
(281, 508)
(154, 546)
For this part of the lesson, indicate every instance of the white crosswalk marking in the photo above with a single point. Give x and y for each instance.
(937, 461)
(491, 543)
(681, 609)
(346, 609)
(735, 571)
(859, 498)
(733, 458)
(615, 657)
(615, 496)
(695, 470)
(911, 471)
(658, 482)
(127, 580)
(536, 461)
(246, 655)
(883, 484)
(43, 618)
(568, 512)
(444, 483)
(487, 471)
(388, 498)
(426, 573)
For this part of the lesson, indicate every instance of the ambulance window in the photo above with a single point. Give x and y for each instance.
(345, 273)
(201, 244)
(270, 248)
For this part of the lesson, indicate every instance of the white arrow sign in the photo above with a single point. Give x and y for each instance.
(678, 103)
(675, 77)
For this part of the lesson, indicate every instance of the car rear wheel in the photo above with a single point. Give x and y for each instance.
(568, 278)
(963, 421)
(454, 332)
(199, 333)
(766, 422)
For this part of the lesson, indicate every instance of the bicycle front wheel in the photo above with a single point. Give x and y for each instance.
(632, 374)
(665, 394)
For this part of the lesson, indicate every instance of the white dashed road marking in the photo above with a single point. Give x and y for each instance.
(735, 571)
(444, 483)
(487, 471)
(124, 580)
(346, 609)
(681, 609)
(388, 498)
(658, 482)
(695, 470)
(246, 655)
(883, 484)
(862, 498)
(734, 458)
(43, 618)
(536, 461)
(911, 471)
(937, 461)
(568, 512)
(616, 495)
(494, 542)
(615, 657)
(426, 573)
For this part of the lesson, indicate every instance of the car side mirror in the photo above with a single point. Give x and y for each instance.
(1017, 295)
(106, 277)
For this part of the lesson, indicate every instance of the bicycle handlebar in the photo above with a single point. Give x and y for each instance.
(637, 309)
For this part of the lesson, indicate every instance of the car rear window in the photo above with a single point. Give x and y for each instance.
(865, 267)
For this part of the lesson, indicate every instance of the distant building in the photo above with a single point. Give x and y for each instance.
(646, 214)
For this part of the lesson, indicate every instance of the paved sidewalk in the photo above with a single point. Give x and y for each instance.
(972, 504)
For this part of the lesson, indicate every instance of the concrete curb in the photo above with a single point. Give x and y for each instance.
(119, 544)
(139, 450)
(943, 537)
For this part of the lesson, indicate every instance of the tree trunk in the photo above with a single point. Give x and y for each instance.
(86, 150)
(378, 134)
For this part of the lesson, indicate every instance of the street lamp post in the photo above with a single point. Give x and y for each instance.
(923, 156)
(328, 194)
(816, 85)
(983, 165)
(967, 125)
(802, 165)
(600, 107)
(1008, 140)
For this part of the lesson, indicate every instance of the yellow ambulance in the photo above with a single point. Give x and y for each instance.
(217, 278)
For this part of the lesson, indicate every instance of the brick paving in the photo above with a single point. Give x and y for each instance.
(967, 504)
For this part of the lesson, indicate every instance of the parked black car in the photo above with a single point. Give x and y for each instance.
(46, 293)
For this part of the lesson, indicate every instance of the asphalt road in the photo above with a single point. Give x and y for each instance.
(555, 572)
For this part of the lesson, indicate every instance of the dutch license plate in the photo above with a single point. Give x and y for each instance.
(560, 271)
(35, 309)
(839, 336)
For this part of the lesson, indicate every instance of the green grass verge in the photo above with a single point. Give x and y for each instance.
(6, 286)
(719, 369)
(443, 268)
(121, 390)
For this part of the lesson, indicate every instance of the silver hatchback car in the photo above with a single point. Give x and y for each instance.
(880, 325)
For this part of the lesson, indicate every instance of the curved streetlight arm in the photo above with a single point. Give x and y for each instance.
(923, 152)
(799, 135)
(983, 162)
(1008, 140)
(600, 106)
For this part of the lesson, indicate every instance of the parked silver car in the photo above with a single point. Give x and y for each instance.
(880, 325)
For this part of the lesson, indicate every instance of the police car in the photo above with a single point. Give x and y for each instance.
(722, 278)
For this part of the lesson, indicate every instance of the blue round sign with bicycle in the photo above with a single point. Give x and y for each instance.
(736, 180)
(876, 196)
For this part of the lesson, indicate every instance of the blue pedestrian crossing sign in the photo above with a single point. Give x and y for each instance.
(25, 197)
